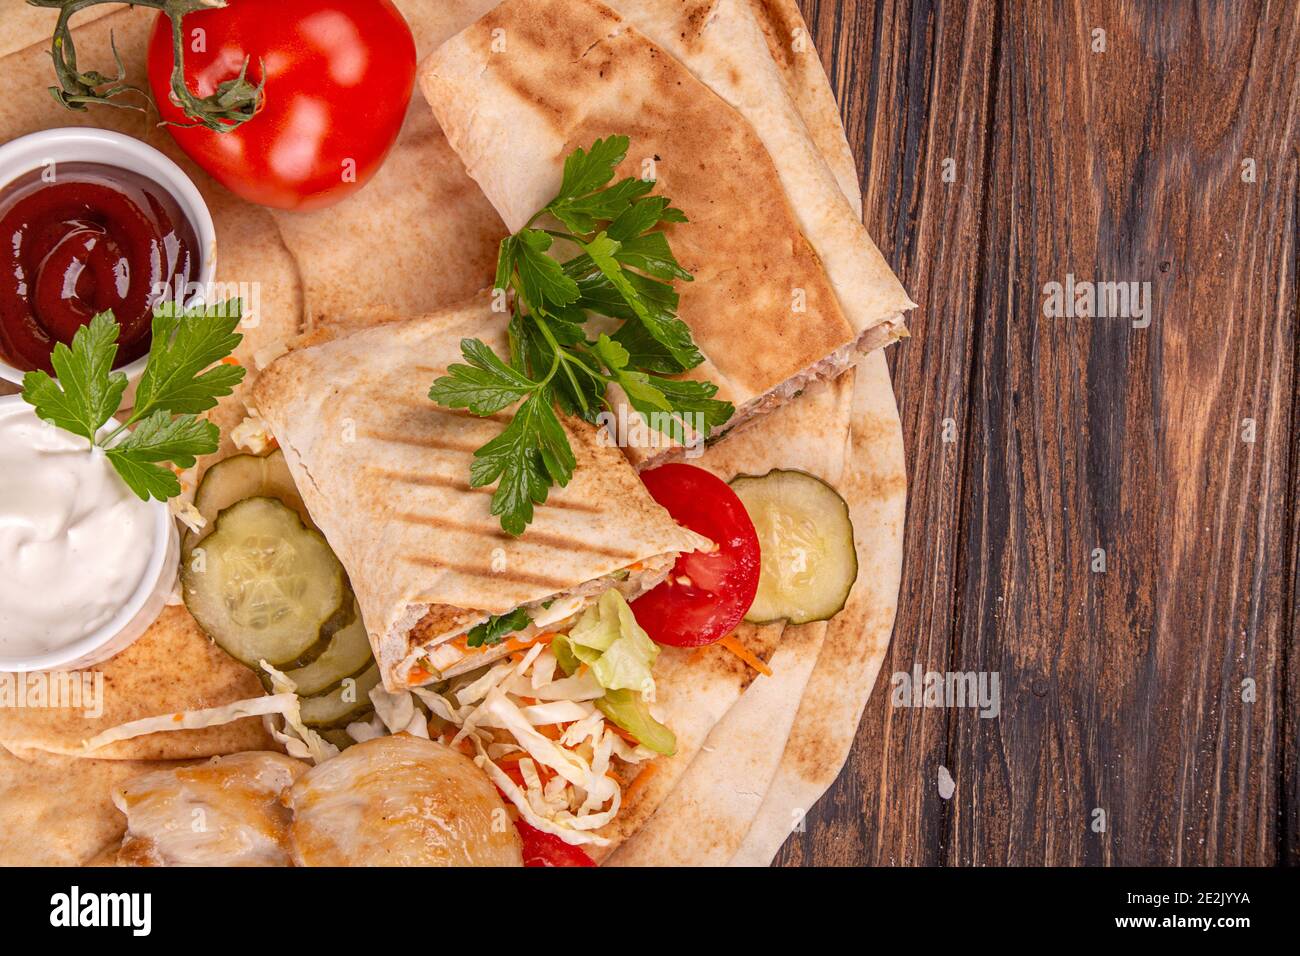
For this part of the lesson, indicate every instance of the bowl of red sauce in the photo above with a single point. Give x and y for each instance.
(92, 220)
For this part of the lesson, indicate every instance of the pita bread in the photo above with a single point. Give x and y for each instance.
(58, 811)
(383, 471)
(858, 637)
(26, 26)
(705, 817)
(420, 235)
(571, 72)
(789, 43)
(173, 666)
(712, 811)
(723, 45)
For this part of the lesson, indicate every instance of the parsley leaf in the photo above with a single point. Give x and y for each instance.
(667, 404)
(161, 438)
(147, 480)
(185, 342)
(527, 458)
(88, 390)
(622, 267)
(172, 389)
(495, 628)
(586, 171)
(541, 277)
(484, 386)
(581, 214)
(669, 331)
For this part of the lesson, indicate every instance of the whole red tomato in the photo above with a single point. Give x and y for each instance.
(708, 593)
(338, 73)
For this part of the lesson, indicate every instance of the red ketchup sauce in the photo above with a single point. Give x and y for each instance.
(95, 238)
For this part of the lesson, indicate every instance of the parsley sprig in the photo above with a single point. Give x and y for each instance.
(496, 628)
(180, 380)
(619, 265)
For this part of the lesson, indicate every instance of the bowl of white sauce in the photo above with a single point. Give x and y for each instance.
(85, 565)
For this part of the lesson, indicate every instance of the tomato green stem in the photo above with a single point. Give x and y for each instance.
(234, 102)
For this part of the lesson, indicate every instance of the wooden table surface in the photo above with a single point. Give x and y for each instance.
(1148, 712)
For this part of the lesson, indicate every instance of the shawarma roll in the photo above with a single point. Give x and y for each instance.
(788, 287)
(385, 472)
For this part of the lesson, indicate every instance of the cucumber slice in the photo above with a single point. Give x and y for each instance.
(244, 476)
(266, 587)
(806, 539)
(340, 737)
(347, 655)
(335, 709)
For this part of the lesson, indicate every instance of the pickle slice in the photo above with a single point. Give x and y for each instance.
(266, 587)
(340, 737)
(347, 655)
(342, 705)
(806, 539)
(243, 476)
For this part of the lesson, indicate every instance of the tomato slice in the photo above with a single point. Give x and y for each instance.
(706, 595)
(546, 849)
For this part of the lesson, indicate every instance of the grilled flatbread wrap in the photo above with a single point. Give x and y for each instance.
(788, 286)
(383, 471)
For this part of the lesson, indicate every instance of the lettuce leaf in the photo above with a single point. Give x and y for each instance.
(608, 639)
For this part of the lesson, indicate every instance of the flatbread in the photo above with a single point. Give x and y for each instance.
(723, 45)
(857, 639)
(543, 77)
(705, 818)
(58, 811)
(790, 45)
(173, 666)
(420, 235)
(709, 816)
(384, 472)
(25, 26)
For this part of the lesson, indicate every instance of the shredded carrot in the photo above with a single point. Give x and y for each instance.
(622, 733)
(461, 642)
(523, 644)
(418, 675)
(641, 779)
(744, 653)
(551, 731)
(230, 360)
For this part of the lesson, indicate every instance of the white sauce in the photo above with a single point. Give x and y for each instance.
(75, 541)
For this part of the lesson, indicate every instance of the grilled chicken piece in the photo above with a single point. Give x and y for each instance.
(400, 801)
(226, 812)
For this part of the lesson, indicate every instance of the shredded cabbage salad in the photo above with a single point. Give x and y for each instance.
(549, 725)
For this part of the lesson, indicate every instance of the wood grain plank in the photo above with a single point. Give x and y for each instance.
(912, 81)
(1123, 690)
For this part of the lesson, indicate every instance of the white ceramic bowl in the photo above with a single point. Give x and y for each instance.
(137, 612)
(75, 144)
